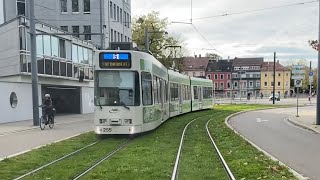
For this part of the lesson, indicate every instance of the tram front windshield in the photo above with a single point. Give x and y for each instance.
(117, 88)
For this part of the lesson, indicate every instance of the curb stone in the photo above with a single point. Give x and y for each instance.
(295, 173)
(301, 125)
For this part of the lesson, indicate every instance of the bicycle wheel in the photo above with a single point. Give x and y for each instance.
(51, 122)
(42, 123)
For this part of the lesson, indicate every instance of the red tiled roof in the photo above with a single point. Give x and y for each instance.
(198, 63)
(268, 66)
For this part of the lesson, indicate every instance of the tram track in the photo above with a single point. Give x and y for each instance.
(98, 160)
(175, 172)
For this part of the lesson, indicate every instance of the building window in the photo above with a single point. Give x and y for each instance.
(279, 74)
(215, 85)
(118, 15)
(258, 84)
(115, 36)
(64, 28)
(265, 75)
(63, 6)
(111, 34)
(221, 85)
(121, 38)
(118, 37)
(86, 6)
(272, 84)
(287, 74)
(216, 76)
(235, 84)
(114, 12)
(121, 17)
(62, 48)
(193, 74)
(201, 74)
(76, 31)
(125, 38)
(221, 76)
(250, 84)
(110, 9)
(287, 84)
(13, 100)
(21, 7)
(265, 84)
(87, 29)
(279, 84)
(75, 5)
(228, 76)
(209, 76)
(229, 85)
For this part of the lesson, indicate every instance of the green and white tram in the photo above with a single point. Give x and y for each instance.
(135, 93)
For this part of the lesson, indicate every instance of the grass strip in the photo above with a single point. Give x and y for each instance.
(74, 165)
(199, 159)
(244, 160)
(150, 157)
(11, 168)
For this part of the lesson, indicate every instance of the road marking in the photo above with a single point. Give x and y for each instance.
(259, 120)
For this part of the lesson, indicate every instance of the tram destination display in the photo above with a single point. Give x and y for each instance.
(115, 60)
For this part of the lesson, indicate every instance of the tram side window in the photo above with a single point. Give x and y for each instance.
(207, 93)
(146, 88)
(195, 92)
(166, 90)
(155, 90)
(174, 91)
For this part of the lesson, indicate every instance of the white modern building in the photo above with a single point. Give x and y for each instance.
(65, 62)
(65, 67)
(78, 16)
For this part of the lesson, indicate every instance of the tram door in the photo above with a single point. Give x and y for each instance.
(163, 110)
(200, 97)
(180, 98)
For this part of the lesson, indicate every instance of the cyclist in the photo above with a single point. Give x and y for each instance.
(47, 107)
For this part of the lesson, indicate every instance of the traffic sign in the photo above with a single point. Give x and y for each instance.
(297, 76)
(310, 73)
(298, 69)
(310, 79)
(298, 83)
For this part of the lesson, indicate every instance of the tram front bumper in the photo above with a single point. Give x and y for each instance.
(118, 129)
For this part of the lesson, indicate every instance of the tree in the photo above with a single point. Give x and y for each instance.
(213, 56)
(158, 42)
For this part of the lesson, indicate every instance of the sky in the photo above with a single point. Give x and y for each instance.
(284, 30)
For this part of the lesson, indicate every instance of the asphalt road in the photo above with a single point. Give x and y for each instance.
(296, 147)
(22, 141)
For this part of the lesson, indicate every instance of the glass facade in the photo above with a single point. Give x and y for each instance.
(57, 57)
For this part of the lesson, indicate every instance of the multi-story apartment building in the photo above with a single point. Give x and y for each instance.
(79, 16)
(246, 76)
(283, 76)
(220, 73)
(195, 66)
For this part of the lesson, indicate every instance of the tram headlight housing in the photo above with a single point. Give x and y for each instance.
(103, 121)
(128, 121)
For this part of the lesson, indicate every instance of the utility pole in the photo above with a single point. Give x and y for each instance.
(318, 79)
(310, 83)
(274, 77)
(101, 24)
(147, 39)
(34, 66)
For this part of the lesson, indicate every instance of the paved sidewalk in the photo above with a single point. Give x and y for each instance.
(20, 126)
(306, 119)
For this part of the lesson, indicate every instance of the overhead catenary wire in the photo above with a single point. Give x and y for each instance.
(254, 10)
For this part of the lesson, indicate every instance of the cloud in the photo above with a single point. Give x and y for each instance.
(252, 34)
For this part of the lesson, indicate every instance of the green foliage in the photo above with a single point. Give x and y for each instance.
(163, 46)
(213, 56)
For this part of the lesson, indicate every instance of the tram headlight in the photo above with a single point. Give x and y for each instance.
(128, 121)
(103, 121)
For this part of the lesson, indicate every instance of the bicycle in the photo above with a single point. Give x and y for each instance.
(45, 119)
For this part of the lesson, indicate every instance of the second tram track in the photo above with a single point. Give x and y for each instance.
(175, 171)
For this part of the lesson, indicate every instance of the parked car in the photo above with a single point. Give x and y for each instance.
(277, 97)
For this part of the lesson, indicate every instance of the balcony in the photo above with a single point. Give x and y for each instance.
(57, 67)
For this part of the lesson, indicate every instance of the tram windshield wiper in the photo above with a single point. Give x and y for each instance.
(124, 105)
(98, 101)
